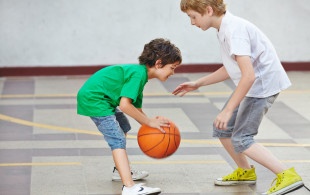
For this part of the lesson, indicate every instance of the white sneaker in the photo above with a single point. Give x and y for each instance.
(136, 175)
(140, 189)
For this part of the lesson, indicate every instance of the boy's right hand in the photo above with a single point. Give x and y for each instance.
(158, 123)
(183, 88)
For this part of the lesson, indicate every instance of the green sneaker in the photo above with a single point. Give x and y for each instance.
(238, 177)
(287, 180)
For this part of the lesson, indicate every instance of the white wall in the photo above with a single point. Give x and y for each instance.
(102, 32)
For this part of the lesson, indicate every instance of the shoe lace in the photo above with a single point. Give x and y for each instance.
(132, 171)
(279, 180)
(135, 172)
(236, 174)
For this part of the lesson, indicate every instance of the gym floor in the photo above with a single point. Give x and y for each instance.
(46, 148)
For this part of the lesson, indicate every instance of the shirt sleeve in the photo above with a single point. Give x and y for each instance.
(131, 89)
(240, 44)
(138, 102)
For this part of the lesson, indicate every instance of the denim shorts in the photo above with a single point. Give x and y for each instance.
(244, 123)
(113, 127)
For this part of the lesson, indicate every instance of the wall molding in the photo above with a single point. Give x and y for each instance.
(88, 70)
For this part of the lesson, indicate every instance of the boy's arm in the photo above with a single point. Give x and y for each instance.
(217, 76)
(137, 113)
(140, 109)
(157, 117)
(245, 83)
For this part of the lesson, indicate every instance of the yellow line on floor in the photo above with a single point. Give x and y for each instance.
(28, 123)
(176, 162)
(286, 144)
(37, 164)
(295, 161)
(145, 94)
(36, 95)
(204, 162)
(265, 144)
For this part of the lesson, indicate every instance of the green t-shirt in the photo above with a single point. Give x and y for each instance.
(101, 93)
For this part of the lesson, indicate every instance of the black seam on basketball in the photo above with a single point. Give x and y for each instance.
(155, 145)
(165, 154)
(175, 143)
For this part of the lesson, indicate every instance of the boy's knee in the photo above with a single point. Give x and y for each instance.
(236, 142)
(240, 144)
(117, 142)
(220, 133)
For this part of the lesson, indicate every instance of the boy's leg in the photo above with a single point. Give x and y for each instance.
(239, 158)
(122, 164)
(116, 139)
(129, 188)
(244, 174)
(115, 136)
(225, 138)
(125, 126)
(249, 117)
(264, 157)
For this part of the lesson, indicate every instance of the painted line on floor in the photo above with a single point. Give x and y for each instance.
(295, 161)
(204, 162)
(136, 162)
(145, 94)
(36, 95)
(52, 127)
(176, 162)
(38, 164)
(28, 123)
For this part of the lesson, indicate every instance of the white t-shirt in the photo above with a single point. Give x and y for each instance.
(240, 37)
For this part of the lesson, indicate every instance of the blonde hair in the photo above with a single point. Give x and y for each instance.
(199, 6)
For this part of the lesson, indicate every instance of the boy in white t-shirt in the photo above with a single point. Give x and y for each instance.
(250, 60)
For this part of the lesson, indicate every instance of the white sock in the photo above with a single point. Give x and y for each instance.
(130, 188)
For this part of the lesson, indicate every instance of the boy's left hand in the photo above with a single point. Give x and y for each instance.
(166, 121)
(222, 119)
(163, 118)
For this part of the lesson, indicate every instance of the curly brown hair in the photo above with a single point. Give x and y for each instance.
(160, 49)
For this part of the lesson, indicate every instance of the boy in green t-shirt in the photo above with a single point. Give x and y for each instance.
(121, 86)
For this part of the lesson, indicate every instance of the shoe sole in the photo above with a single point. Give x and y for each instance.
(289, 188)
(233, 183)
(151, 193)
(134, 179)
(154, 193)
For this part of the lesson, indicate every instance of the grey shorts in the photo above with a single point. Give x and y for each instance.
(244, 123)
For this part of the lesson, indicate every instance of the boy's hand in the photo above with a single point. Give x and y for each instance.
(222, 119)
(158, 123)
(183, 88)
(162, 117)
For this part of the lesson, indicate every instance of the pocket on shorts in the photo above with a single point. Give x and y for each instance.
(104, 120)
(96, 120)
(272, 98)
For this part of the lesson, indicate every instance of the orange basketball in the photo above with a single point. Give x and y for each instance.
(157, 144)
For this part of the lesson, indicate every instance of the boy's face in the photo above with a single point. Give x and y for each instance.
(201, 21)
(164, 72)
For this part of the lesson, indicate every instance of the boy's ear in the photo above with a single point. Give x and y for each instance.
(209, 10)
(158, 64)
